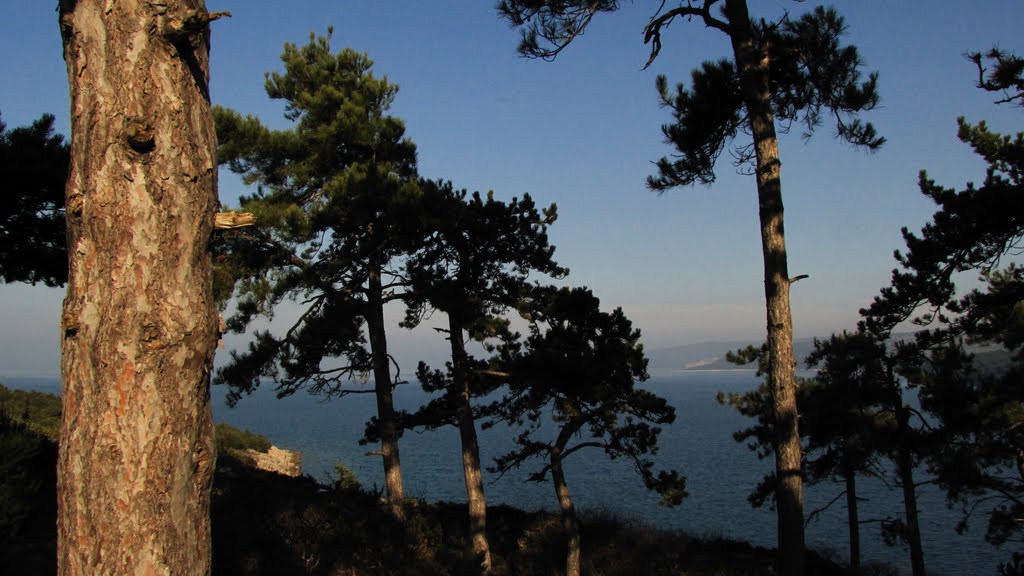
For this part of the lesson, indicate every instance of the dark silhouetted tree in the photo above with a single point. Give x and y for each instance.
(843, 419)
(473, 267)
(33, 244)
(973, 230)
(332, 196)
(980, 463)
(795, 70)
(1006, 74)
(572, 386)
(855, 413)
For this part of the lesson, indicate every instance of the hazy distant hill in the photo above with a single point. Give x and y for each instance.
(711, 356)
(708, 356)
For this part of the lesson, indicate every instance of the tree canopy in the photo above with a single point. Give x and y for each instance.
(336, 205)
(579, 368)
(572, 386)
(791, 70)
(811, 76)
(473, 266)
(34, 161)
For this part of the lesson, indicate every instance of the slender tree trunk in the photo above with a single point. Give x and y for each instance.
(384, 393)
(570, 523)
(475, 500)
(139, 325)
(752, 62)
(853, 520)
(905, 468)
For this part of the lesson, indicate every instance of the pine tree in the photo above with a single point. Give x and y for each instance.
(332, 205)
(34, 162)
(793, 70)
(976, 412)
(578, 371)
(139, 324)
(844, 419)
(980, 412)
(855, 412)
(473, 266)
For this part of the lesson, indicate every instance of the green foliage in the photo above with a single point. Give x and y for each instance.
(477, 255)
(34, 162)
(38, 411)
(335, 203)
(848, 418)
(548, 27)
(345, 479)
(846, 406)
(1006, 74)
(981, 414)
(231, 438)
(811, 76)
(972, 229)
(977, 415)
(578, 370)
(473, 266)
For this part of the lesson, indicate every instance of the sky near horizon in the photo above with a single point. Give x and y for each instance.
(582, 132)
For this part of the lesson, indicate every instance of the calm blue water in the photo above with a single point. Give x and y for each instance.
(720, 472)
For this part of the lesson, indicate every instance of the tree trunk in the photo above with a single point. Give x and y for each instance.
(853, 521)
(752, 62)
(905, 468)
(384, 393)
(139, 325)
(475, 500)
(570, 523)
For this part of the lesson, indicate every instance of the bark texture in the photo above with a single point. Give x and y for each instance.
(753, 66)
(385, 398)
(475, 499)
(139, 325)
(570, 522)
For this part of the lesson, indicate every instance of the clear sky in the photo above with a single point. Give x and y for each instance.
(582, 132)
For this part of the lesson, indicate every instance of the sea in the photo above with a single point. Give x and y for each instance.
(699, 444)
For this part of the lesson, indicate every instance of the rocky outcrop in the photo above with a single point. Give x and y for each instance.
(280, 461)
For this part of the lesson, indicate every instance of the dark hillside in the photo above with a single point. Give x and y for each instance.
(269, 524)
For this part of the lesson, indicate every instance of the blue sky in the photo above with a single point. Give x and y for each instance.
(582, 132)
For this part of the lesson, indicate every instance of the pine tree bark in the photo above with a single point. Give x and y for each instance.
(385, 398)
(570, 522)
(853, 520)
(752, 63)
(139, 325)
(475, 499)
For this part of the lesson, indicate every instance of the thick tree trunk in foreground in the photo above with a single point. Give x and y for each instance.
(385, 397)
(475, 500)
(753, 65)
(139, 325)
(853, 521)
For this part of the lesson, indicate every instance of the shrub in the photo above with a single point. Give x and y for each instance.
(231, 438)
(345, 479)
(39, 411)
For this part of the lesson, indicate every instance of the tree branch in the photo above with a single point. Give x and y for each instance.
(652, 32)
